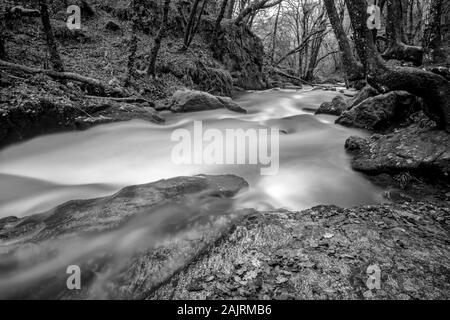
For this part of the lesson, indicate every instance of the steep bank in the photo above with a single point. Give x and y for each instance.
(100, 50)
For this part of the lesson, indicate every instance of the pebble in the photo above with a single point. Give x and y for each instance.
(328, 235)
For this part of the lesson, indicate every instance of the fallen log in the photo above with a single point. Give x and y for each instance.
(62, 76)
(293, 77)
(24, 12)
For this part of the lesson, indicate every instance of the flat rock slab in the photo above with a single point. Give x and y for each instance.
(419, 150)
(192, 100)
(126, 245)
(326, 253)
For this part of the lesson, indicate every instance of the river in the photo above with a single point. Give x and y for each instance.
(314, 168)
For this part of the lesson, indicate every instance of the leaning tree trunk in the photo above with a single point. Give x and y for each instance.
(274, 36)
(51, 42)
(197, 23)
(133, 43)
(230, 9)
(352, 67)
(432, 34)
(253, 8)
(223, 7)
(397, 49)
(315, 49)
(190, 25)
(433, 88)
(161, 33)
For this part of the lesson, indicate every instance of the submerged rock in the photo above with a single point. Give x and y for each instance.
(389, 251)
(336, 107)
(114, 112)
(191, 100)
(423, 151)
(382, 112)
(126, 244)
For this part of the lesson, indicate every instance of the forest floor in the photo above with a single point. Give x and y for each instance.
(29, 103)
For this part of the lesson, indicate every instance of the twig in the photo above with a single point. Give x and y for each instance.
(124, 99)
(293, 77)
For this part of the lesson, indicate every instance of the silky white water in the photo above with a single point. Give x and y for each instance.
(314, 168)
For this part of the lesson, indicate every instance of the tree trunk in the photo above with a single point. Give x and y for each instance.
(190, 25)
(218, 20)
(161, 33)
(352, 67)
(410, 23)
(397, 49)
(133, 43)
(230, 9)
(51, 42)
(432, 34)
(433, 88)
(274, 36)
(315, 48)
(197, 22)
(3, 55)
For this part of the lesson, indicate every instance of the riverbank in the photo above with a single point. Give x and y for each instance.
(325, 252)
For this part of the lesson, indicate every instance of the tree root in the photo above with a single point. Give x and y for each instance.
(403, 52)
(62, 76)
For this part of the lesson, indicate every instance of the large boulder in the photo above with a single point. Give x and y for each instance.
(126, 245)
(41, 105)
(44, 115)
(365, 93)
(239, 50)
(382, 112)
(34, 116)
(192, 100)
(336, 107)
(422, 151)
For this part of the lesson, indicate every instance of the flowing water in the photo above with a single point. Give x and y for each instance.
(42, 173)
(314, 168)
